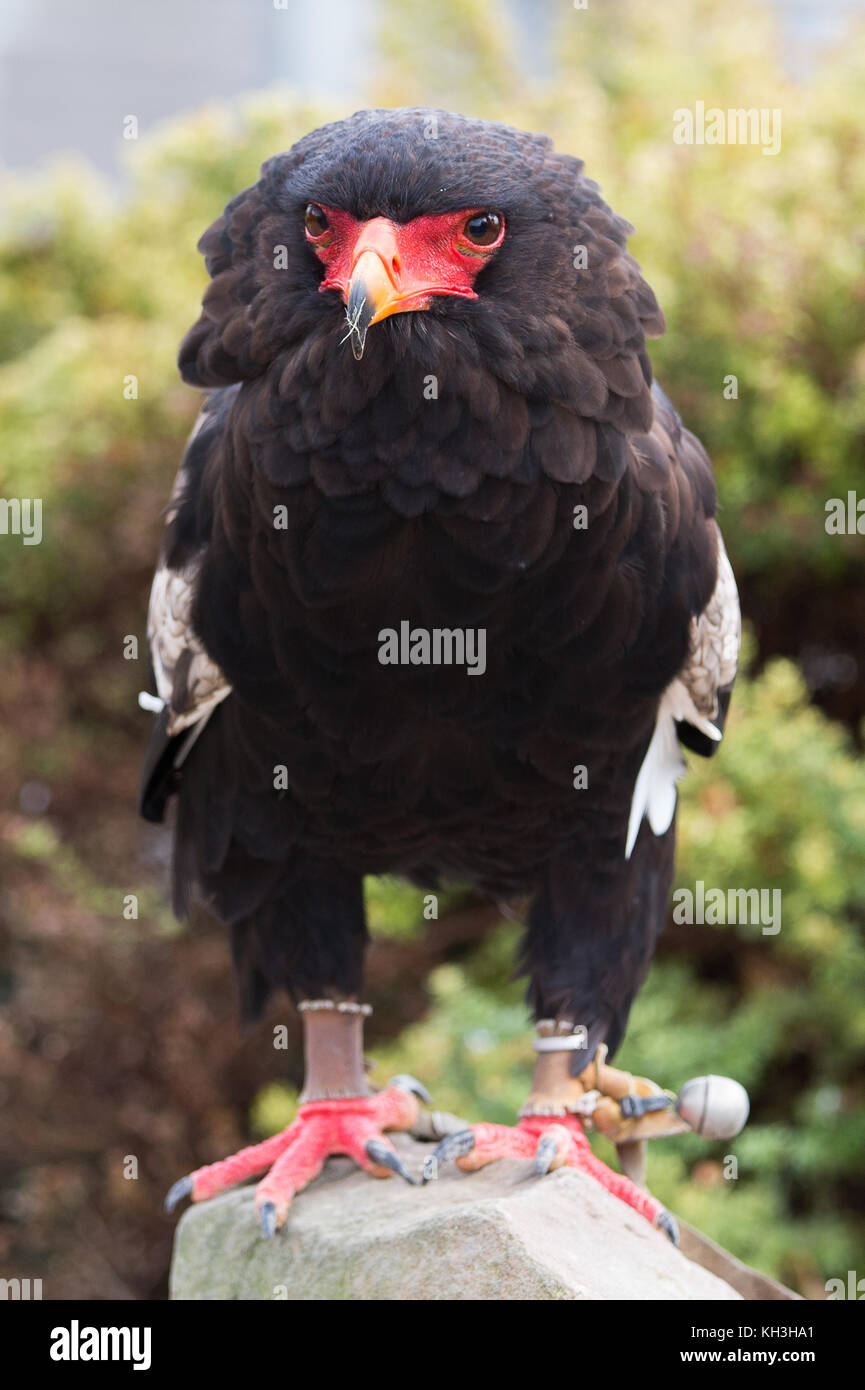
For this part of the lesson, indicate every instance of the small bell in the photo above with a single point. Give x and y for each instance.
(714, 1106)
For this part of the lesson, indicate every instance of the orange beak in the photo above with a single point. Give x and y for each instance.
(379, 283)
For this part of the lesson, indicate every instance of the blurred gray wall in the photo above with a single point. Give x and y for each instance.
(70, 70)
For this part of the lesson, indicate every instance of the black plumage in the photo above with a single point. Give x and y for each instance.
(453, 512)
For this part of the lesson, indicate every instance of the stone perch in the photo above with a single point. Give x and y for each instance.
(500, 1233)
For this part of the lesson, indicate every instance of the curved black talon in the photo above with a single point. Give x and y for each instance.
(178, 1190)
(379, 1152)
(667, 1223)
(544, 1154)
(452, 1146)
(267, 1217)
(404, 1082)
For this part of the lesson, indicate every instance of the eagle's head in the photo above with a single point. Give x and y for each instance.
(424, 235)
(383, 267)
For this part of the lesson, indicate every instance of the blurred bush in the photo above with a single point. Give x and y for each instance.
(758, 263)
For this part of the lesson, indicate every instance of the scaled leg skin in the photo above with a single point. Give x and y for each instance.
(338, 1114)
(550, 1129)
(591, 934)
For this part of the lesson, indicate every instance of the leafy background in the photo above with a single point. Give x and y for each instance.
(118, 1038)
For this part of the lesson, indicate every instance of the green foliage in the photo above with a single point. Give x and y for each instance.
(398, 910)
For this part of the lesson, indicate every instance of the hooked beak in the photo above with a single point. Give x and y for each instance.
(373, 293)
(381, 283)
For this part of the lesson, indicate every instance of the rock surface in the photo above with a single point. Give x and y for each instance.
(500, 1233)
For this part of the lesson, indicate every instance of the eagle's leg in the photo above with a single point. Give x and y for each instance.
(550, 1129)
(591, 932)
(338, 1114)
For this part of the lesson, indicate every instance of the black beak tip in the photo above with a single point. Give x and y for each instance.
(359, 312)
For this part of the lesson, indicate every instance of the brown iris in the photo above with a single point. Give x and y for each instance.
(316, 220)
(483, 228)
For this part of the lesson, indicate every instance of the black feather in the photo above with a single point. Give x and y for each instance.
(325, 765)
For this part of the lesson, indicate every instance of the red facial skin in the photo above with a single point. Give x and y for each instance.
(407, 263)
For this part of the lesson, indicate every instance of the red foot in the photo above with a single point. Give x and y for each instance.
(323, 1127)
(553, 1142)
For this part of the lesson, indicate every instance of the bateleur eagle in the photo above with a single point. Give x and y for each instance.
(441, 595)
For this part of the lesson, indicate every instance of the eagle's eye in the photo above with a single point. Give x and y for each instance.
(483, 228)
(316, 220)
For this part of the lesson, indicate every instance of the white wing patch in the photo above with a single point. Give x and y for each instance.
(692, 697)
(715, 638)
(188, 681)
